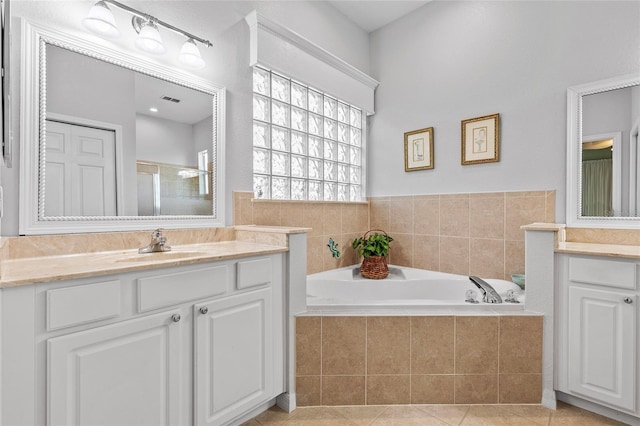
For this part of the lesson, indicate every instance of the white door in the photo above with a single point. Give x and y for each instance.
(121, 374)
(81, 171)
(602, 346)
(233, 356)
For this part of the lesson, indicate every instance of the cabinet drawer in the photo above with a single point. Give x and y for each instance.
(82, 304)
(172, 289)
(605, 272)
(252, 273)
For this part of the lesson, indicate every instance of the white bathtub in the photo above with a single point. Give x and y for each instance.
(405, 289)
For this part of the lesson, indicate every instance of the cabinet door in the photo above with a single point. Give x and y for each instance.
(602, 346)
(233, 356)
(120, 374)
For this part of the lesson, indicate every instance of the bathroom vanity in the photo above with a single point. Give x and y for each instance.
(195, 337)
(589, 293)
(598, 329)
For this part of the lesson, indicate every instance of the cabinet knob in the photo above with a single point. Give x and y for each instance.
(176, 317)
(627, 300)
(204, 310)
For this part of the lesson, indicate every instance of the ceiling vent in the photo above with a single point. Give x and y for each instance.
(170, 99)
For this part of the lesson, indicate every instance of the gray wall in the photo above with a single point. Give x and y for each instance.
(165, 141)
(451, 61)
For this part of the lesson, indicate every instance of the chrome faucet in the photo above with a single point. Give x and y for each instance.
(157, 244)
(489, 294)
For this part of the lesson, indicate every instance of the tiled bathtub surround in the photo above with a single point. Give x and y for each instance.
(469, 234)
(341, 221)
(381, 360)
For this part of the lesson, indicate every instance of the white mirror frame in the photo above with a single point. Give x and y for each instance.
(34, 38)
(574, 153)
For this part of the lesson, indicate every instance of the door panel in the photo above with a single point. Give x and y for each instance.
(122, 374)
(234, 356)
(602, 358)
(88, 183)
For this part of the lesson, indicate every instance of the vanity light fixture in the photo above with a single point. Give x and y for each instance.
(149, 38)
(101, 21)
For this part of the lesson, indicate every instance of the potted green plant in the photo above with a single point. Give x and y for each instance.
(373, 247)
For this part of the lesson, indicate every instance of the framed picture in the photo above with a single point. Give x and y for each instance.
(481, 140)
(418, 150)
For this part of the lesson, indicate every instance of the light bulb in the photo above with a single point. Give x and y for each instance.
(149, 39)
(100, 20)
(190, 55)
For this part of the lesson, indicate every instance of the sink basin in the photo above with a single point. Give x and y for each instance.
(166, 255)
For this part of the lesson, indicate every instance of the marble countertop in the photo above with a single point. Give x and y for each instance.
(69, 266)
(595, 249)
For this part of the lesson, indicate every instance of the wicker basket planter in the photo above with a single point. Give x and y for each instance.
(374, 249)
(374, 267)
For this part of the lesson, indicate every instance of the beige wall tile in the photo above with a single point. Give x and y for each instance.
(292, 214)
(266, 213)
(432, 389)
(389, 389)
(388, 345)
(550, 207)
(486, 258)
(476, 345)
(343, 390)
(363, 218)
(476, 389)
(349, 214)
(315, 253)
(343, 345)
(432, 345)
(454, 216)
(401, 252)
(426, 252)
(308, 391)
(520, 388)
(379, 213)
(312, 218)
(454, 255)
(486, 218)
(522, 211)
(604, 236)
(400, 215)
(513, 258)
(426, 215)
(308, 346)
(521, 344)
(331, 219)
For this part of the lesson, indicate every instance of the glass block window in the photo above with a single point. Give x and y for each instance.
(307, 145)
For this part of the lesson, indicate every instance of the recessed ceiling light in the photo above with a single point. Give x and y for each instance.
(153, 109)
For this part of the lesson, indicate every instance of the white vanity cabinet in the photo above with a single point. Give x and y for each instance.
(118, 374)
(598, 330)
(198, 344)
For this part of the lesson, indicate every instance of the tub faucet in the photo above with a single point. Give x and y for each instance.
(157, 244)
(489, 294)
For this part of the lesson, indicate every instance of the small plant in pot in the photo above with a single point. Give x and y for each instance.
(374, 247)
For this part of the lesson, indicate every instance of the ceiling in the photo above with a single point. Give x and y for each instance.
(372, 15)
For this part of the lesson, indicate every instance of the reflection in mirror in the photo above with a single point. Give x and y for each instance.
(119, 142)
(602, 153)
(95, 157)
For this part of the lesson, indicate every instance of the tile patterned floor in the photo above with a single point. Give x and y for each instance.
(428, 415)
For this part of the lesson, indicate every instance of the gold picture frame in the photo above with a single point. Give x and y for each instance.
(481, 140)
(418, 150)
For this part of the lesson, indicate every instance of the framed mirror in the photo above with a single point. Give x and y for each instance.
(603, 156)
(112, 141)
